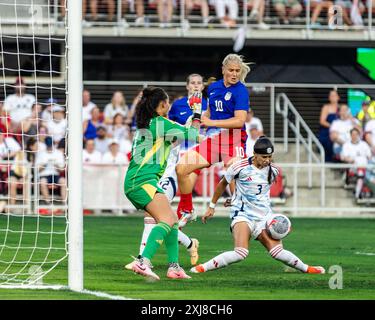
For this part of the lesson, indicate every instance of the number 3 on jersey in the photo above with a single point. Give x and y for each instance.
(219, 105)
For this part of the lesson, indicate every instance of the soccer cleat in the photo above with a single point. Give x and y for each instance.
(193, 250)
(143, 267)
(130, 265)
(197, 269)
(316, 269)
(186, 217)
(176, 272)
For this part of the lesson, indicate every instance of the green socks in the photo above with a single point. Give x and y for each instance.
(162, 232)
(155, 239)
(171, 243)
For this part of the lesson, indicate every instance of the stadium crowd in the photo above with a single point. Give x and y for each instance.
(349, 139)
(226, 12)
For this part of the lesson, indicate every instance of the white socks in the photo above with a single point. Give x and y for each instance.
(287, 258)
(184, 239)
(226, 258)
(149, 224)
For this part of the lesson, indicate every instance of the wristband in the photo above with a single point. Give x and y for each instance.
(212, 205)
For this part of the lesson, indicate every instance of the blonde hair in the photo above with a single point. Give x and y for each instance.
(123, 101)
(235, 58)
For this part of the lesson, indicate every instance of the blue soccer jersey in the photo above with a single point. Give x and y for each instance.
(180, 110)
(224, 101)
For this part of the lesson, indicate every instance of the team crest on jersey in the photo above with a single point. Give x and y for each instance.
(227, 96)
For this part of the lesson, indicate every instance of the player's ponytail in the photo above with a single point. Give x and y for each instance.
(245, 69)
(146, 107)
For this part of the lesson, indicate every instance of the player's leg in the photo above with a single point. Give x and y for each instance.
(165, 231)
(241, 235)
(276, 250)
(190, 162)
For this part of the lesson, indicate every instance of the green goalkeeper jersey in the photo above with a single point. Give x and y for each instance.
(151, 148)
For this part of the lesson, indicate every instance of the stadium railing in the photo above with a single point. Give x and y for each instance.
(44, 10)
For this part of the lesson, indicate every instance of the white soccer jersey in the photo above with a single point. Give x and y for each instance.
(359, 152)
(19, 107)
(168, 182)
(252, 194)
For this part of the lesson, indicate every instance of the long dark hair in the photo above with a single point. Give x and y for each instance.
(263, 145)
(146, 107)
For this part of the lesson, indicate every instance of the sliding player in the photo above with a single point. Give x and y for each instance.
(251, 209)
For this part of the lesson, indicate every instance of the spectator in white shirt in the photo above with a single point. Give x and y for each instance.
(90, 155)
(47, 111)
(21, 168)
(118, 130)
(50, 164)
(339, 132)
(116, 106)
(19, 104)
(369, 134)
(8, 147)
(252, 135)
(88, 105)
(57, 125)
(356, 152)
(114, 156)
(251, 120)
(101, 140)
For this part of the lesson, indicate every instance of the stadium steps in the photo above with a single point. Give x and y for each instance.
(336, 195)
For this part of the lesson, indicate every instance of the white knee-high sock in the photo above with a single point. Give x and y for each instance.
(184, 239)
(226, 258)
(288, 258)
(149, 223)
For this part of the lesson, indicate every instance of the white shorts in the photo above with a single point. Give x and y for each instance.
(256, 227)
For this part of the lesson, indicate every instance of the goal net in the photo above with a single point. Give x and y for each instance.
(33, 143)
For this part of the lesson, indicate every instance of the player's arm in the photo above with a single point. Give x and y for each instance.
(175, 132)
(236, 122)
(217, 194)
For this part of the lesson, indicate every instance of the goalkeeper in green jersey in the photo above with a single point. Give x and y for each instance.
(151, 147)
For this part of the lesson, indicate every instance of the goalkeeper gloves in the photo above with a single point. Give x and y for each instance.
(195, 103)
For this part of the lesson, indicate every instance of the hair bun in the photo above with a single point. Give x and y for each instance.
(146, 92)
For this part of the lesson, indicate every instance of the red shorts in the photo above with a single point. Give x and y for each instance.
(223, 146)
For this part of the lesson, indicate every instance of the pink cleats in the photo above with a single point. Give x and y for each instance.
(316, 269)
(176, 272)
(143, 267)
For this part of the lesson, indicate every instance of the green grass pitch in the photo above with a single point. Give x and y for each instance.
(109, 242)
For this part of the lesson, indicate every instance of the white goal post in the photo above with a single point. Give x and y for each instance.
(75, 209)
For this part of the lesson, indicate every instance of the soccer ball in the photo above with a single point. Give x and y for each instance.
(278, 226)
